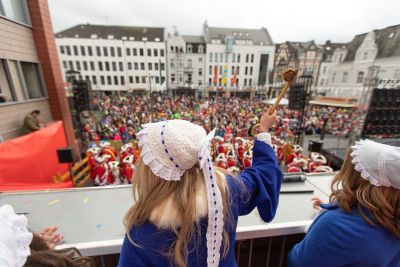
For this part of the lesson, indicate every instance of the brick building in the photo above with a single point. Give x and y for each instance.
(30, 74)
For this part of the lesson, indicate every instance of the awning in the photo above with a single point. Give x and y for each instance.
(284, 101)
(331, 104)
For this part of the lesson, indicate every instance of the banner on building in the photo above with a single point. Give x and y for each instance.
(29, 162)
(234, 79)
(215, 79)
(224, 76)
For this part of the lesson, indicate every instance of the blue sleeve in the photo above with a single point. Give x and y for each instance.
(130, 256)
(262, 183)
(330, 242)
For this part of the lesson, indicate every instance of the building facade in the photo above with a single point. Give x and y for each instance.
(361, 63)
(186, 59)
(238, 60)
(115, 58)
(30, 76)
(304, 56)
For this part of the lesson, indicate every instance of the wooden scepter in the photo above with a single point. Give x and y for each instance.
(288, 76)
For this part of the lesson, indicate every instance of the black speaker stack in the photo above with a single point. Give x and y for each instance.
(81, 97)
(297, 97)
(383, 117)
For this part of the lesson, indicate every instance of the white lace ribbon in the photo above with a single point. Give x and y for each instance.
(215, 207)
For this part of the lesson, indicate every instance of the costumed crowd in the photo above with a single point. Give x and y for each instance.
(120, 118)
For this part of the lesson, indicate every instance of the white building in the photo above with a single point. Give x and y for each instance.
(249, 52)
(368, 58)
(186, 62)
(115, 57)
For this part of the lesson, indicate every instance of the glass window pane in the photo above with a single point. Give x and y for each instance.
(14, 73)
(14, 9)
(32, 80)
(5, 88)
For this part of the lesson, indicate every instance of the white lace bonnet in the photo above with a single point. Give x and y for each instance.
(377, 163)
(14, 238)
(170, 148)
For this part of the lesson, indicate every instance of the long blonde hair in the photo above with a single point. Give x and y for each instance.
(350, 190)
(151, 194)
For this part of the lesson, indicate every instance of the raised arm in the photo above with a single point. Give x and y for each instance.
(259, 185)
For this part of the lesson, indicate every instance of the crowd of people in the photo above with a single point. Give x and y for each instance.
(121, 117)
(233, 154)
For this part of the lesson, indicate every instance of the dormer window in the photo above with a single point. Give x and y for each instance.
(200, 49)
(156, 39)
(76, 35)
(131, 38)
(189, 48)
(144, 39)
(124, 38)
(93, 36)
(110, 37)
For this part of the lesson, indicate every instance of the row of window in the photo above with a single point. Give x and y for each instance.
(246, 82)
(110, 66)
(213, 57)
(120, 80)
(106, 51)
(20, 81)
(180, 62)
(247, 70)
(189, 49)
(345, 77)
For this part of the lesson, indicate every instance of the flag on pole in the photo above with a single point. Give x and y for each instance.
(225, 75)
(215, 80)
(234, 79)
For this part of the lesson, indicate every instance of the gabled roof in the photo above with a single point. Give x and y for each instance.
(257, 36)
(118, 32)
(194, 39)
(387, 40)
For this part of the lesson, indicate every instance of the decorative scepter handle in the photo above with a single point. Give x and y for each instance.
(288, 76)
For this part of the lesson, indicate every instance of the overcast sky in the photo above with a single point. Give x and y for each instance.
(337, 20)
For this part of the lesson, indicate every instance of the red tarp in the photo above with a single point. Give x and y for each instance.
(29, 162)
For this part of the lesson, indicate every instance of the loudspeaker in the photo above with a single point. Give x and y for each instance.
(65, 155)
(383, 117)
(297, 97)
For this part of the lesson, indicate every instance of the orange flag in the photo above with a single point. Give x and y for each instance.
(215, 80)
(234, 79)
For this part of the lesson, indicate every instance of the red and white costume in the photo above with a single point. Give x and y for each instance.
(107, 149)
(220, 161)
(127, 168)
(247, 157)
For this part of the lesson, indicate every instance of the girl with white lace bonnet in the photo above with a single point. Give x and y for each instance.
(360, 227)
(185, 211)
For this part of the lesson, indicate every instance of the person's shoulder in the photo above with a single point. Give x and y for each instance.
(148, 233)
(344, 225)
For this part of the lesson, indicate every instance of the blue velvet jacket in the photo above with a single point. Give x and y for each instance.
(337, 239)
(261, 184)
